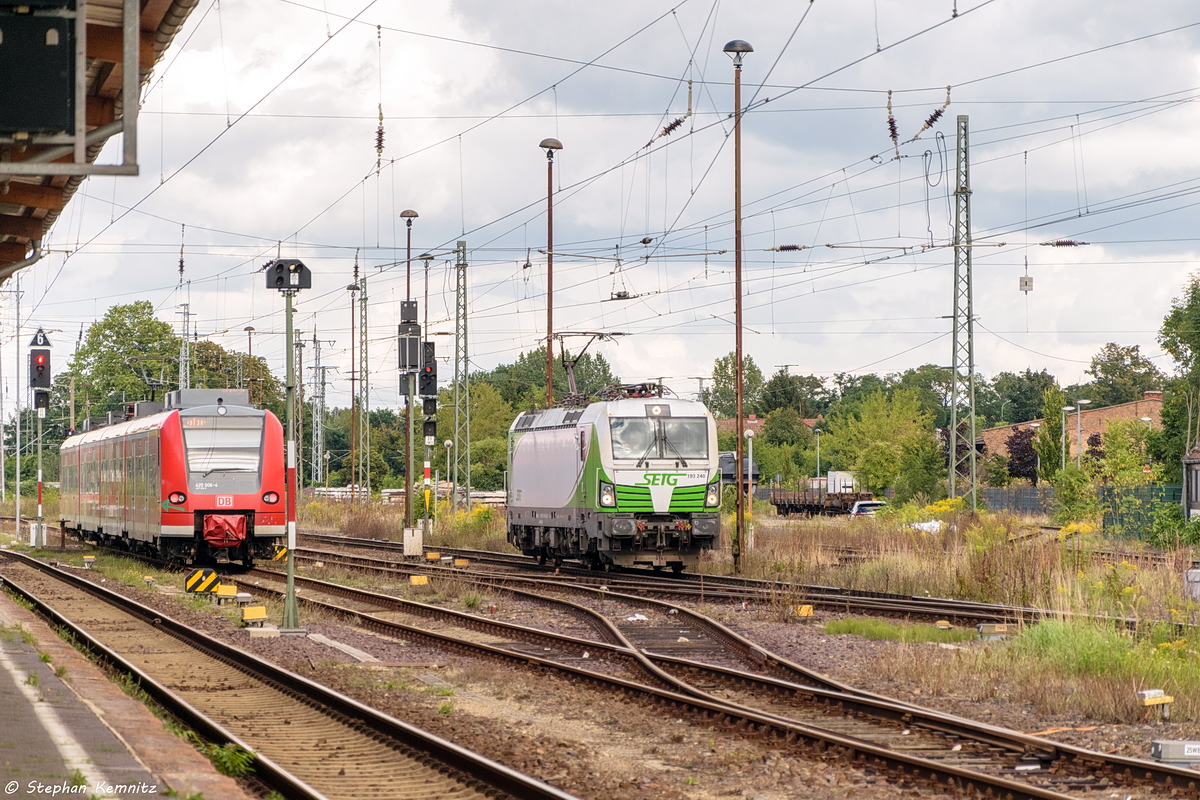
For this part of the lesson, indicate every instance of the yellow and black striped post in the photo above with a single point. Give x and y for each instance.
(201, 580)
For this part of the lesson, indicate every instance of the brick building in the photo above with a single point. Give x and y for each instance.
(1091, 421)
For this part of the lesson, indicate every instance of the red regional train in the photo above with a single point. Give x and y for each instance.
(200, 481)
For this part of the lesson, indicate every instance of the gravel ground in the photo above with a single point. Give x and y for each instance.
(597, 746)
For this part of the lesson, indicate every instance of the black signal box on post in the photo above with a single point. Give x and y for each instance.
(288, 273)
(41, 400)
(429, 428)
(408, 311)
(409, 346)
(427, 382)
(429, 406)
(39, 368)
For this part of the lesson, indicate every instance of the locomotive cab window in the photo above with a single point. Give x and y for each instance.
(225, 447)
(662, 437)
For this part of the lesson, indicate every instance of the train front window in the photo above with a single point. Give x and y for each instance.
(666, 437)
(222, 444)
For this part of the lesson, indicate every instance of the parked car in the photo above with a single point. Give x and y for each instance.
(866, 508)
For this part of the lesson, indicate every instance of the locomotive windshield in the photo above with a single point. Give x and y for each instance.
(222, 444)
(661, 437)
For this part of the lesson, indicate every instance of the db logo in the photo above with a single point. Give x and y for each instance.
(224, 501)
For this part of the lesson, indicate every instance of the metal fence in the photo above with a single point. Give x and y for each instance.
(1128, 510)
(1020, 500)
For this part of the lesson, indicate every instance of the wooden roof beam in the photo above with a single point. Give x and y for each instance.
(104, 44)
(24, 227)
(24, 194)
(12, 252)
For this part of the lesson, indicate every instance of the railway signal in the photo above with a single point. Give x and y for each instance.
(289, 275)
(427, 382)
(39, 368)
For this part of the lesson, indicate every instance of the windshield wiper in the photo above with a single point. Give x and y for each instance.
(645, 459)
(682, 460)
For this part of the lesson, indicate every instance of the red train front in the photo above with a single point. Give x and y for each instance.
(199, 482)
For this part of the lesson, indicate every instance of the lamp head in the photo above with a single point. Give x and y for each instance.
(749, 434)
(408, 215)
(1068, 408)
(426, 257)
(1082, 402)
(550, 145)
(249, 329)
(736, 49)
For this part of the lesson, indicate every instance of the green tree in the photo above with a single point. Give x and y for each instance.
(1122, 375)
(1180, 336)
(128, 355)
(784, 426)
(522, 384)
(1022, 395)
(932, 385)
(1048, 443)
(804, 394)
(721, 397)
(885, 439)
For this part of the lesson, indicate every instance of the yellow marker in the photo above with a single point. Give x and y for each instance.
(418, 580)
(461, 562)
(433, 556)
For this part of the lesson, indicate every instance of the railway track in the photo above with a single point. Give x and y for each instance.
(895, 738)
(946, 750)
(308, 741)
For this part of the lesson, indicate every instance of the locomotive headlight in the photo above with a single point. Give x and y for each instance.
(608, 495)
(177, 498)
(271, 498)
(713, 497)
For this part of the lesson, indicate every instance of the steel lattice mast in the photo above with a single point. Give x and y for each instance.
(364, 392)
(317, 453)
(962, 379)
(462, 386)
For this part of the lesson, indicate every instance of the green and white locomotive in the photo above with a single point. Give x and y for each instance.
(630, 480)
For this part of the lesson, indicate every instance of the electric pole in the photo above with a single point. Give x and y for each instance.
(963, 340)
(462, 387)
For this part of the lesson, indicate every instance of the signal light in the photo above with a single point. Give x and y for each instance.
(41, 400)
(39, 369)
(288, 274)
(429, 427)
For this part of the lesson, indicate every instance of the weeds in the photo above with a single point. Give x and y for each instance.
(471, 599)
(230, 759)
(876, 629)
(61, 673)
(446, 708)
(32, 680)
(45, 657)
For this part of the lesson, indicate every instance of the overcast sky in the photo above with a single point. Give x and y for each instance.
(258, 137)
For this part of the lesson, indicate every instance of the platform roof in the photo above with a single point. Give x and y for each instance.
(29, 204)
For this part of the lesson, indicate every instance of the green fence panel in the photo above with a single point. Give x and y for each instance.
(1129, 510)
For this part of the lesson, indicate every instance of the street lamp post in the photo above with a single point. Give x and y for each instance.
(1079, 404)
(1062, 435)
(817, 431)
(451, 499)
(249, 329)
(1037, 457)
(289, 276)
(750, 489)
(408, 215)
(1002, 405)
(736, 50)
(550, 145)
(1149, 422)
